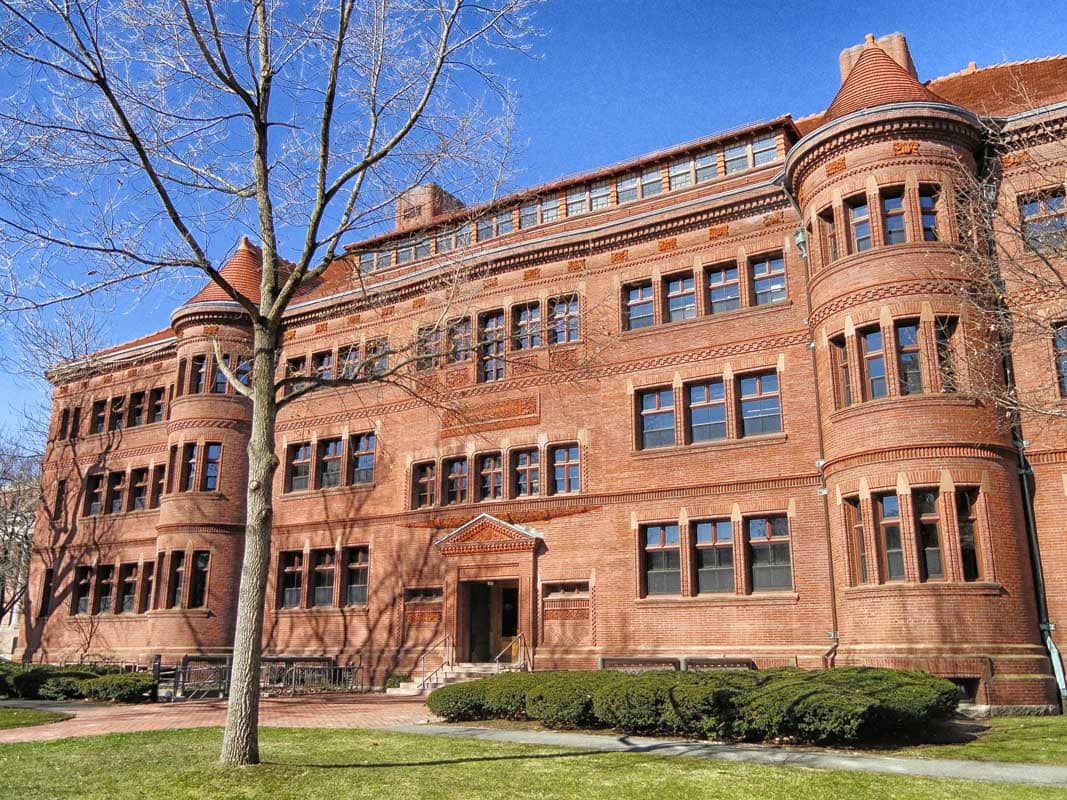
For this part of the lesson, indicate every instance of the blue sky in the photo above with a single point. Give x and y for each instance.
(612, 80)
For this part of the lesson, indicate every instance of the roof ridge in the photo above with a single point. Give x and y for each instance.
(969, 71)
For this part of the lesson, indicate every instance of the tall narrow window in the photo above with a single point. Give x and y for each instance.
(768, 547)
(911, 376)
(298, 472)
(116, 486)
(60, 501)
(139, 489)
(761, 405)
(724, 289)
(348, 362)
(116, 414)
(291, 579)
(873, 363)
(218, 381)
(64, 424)
(83, 587)
(638, 310)
(651, 182)
(322, 365)
(928, 527)
(563, 319)
(828, 236)
(94, 495)
(842, 377)
(490, 477)
(967, 519)
(768, 279)
(44, 607)
(859, 224)
(1044, 220)
(97, 416)
(176, 586)
(663, 574)
(707, 411)
(857, 543)
(680, 298)
(377, 357)
(458, 340)
(424, 489)
(198, 579)
(75, 422)
(887, 510)
(147, 597)
(455, 481)
(155, 405)
(566, 469)
(331, 453)
(105, 588)
(526, 326)
(156, 490)
(323, 567)
(526, 468)
(656, 418)
(491, 347)
(209, 482)
(893, 230)
(714, 556)
(928, 200)
(362, 458)
(357, 568)
(127, 589)
(945, 329)
(1059, 346)
(295, 368)
(198, 374)
(427, 347)
(188, 471)
(137, 410)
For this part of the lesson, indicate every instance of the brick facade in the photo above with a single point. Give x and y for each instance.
(709, 484)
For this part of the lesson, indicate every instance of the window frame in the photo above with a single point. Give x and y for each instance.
(718, 544)
(640, 300)
(658, 411)
(656, 542)
(769, 541)
(761, 396)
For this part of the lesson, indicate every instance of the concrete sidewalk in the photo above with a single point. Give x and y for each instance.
(1032, 774)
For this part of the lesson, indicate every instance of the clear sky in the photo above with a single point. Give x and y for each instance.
(617, 78)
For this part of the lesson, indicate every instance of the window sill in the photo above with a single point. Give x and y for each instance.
(322, 611)
(180, 612)
(784, 598)
(333, 490)
(489, 503)
(963, 589)
(929, 398)
(720, 444)
(748, 311)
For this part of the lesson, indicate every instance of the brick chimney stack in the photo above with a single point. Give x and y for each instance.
(417, 207)
(894, 44)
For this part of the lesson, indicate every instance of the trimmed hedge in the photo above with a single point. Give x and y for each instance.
(46, 682)
(836, 706)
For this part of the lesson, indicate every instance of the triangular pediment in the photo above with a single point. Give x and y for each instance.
(486, 532)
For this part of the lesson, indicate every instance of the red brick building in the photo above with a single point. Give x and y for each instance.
(713, 402)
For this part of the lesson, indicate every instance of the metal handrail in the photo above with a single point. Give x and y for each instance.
(517, 643)
(448, 660)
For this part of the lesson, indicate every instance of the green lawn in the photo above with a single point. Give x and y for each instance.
(22, 717)
(306, 764)
(1038, 740)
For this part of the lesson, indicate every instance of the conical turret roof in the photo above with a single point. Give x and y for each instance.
(243, 272)
(877, 80)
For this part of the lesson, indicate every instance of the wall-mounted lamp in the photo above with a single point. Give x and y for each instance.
(801, 238)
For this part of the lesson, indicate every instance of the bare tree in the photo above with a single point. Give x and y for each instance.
(142, 129)
(19, 497)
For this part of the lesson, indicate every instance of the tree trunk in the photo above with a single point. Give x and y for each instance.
(240, 743)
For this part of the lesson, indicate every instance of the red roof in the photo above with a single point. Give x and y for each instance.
(877, 80)
(243, 272)
(1004, 89)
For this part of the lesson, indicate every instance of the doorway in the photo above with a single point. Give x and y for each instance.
(492, 618)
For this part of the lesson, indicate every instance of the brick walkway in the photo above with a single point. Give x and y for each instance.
(315, 711)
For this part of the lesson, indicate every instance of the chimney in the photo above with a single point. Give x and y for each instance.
(418, 206)
(895, 45)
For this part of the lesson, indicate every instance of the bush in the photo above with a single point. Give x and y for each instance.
(28, 682)
(838, 706)
(460, 702)
(61, 689)
(130, 687)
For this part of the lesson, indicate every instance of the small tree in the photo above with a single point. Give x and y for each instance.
(141, 129)
(19, 497)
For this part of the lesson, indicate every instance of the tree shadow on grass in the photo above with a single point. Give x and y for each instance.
(438, 762)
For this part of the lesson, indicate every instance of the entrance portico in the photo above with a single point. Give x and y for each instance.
(489, 587)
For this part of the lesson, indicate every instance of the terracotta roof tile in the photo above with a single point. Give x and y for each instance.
(1004, 89)
(243, 272)
(157, 336)
(877, 80)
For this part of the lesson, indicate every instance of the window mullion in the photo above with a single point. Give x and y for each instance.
(742, 571)
(909, 536)
(949, 536)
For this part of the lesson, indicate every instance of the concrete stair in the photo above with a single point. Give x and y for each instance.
(454, 673)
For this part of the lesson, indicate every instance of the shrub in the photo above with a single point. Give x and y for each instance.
(707, 708)
(130, 687)
(61, 689)
(460, 701)
(27, 683)
(505, 695)
(637, 703)
(566, 699)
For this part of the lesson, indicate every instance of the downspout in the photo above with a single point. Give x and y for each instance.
(1045, 626)
(800, 237)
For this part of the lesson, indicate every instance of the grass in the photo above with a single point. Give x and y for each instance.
(1035, 740)
(313, 764)
(24, 717)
